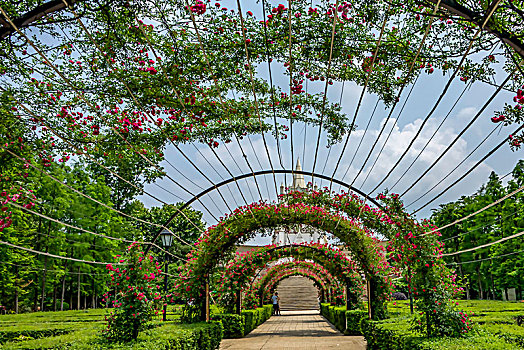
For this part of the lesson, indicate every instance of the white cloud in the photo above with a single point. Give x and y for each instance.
(396, 145)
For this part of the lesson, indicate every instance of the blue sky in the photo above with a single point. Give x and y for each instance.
(422, 99)
(425, 94)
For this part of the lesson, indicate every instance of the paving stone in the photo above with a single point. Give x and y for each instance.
(306, 330)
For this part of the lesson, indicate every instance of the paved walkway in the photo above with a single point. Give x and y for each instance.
(305, 330)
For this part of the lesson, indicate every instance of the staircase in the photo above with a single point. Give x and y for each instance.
(297, 293)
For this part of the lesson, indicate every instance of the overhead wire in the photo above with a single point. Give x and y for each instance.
(493, 7)
(83, 194)
(456, 167)
(80, 151)
(469, 171)
(485, 259)
(485, 245)
(403, 86)
(79, 94)
(147, 113)
(433, 135)
(266, 40)
(90, 232)
(480, 210)
(226, 109)
(34, 269)
(479, 113)
(291, 93)
(183, 106)
(359, 103)
(248, 59)
(328, 73)
(480, 227)
(57, 256)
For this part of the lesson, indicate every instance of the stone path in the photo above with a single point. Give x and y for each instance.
(305, 330)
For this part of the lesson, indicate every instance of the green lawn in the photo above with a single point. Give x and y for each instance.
(70, 329)
(494, 325)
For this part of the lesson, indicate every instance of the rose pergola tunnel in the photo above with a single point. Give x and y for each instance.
(200, 122)
(247, 269)
(345, 217)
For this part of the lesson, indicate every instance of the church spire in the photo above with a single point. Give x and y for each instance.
(298, 179)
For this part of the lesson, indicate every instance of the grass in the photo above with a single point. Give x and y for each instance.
(43, 329)
(494, 322)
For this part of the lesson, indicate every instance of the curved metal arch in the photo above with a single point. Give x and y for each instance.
(258, 173)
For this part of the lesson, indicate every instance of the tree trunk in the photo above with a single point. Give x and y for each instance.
(42, 300)
(63, 292)
(35, 296)
(78, 293)
(492, 285)
(44, 277)
(54, 297)
(481, 290)
(71, 294)
(17, 276)
(466, 286)
(93, 302)
(63, 286)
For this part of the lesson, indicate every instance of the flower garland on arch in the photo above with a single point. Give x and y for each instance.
(264, 285)
(245, 222)
(240, 270)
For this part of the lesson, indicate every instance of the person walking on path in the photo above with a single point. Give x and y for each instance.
(276, 307)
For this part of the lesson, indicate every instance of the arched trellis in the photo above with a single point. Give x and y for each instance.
(246, 267)
(245, 222)
(260, 173)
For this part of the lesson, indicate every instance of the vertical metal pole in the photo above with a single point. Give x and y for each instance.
(164, 316)
(370, 313)
(207, 301)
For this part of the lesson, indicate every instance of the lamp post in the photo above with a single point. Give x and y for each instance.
(167, 239)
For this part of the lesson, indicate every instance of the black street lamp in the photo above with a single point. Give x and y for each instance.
(167, 239)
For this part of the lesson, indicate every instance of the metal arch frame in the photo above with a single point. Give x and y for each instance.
(258, 173)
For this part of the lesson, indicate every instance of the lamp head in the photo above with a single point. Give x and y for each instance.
(167, 238)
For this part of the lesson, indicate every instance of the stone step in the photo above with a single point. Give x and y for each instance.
(297, 293)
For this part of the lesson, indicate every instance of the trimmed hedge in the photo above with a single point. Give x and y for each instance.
(172, 336)
(394, 334)
(15, 333)
(353, 318)
(254, 318)
(233, 325)
(335, 314)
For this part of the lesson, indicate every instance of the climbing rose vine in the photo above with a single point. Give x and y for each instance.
(136, 298)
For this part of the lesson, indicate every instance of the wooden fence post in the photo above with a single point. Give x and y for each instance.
(239, 301)
(370, 309)
(207, 301)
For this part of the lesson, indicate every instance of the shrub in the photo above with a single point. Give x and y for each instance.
(353, 318)
(19, 334)
(136, 296)
(232, 324)
(254, 318)
(334, 314)
(399, 296)
(196, 336)
(250, 318)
